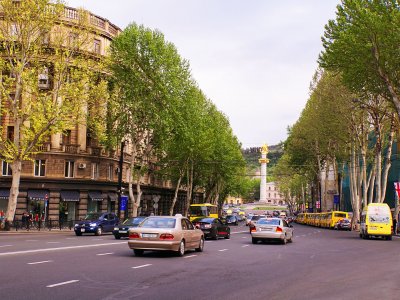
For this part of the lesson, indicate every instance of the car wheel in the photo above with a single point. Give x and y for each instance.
(181, 250)
(201, 246)
(117, 237)
(99, 231)
(228, 235)
(215, 235)
(389, 238)
(78, 233)
(138, 252)
(254, 240)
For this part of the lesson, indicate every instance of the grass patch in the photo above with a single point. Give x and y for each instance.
(269, 208)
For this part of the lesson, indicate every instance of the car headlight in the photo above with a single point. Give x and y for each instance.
(93, 224)
(76, 225)
(115, 228)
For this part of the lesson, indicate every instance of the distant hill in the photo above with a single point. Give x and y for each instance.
(251, 156)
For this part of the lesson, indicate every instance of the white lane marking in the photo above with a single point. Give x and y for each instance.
(189, 256)
(97, 239)
(208, 241)
(101, 254)
(39, 262)
(222, 250)
(142, 266)
(31, 240)
(53, 242)
(61, 283)
(245, 246)
(239, 232)
(5, 246)
(244, 237)
(59, 248)
(71, 238)
(312, 256)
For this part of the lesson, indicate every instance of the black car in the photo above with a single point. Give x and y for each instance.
(212, 228)
(232, 220)
(96, 223)
(122, 230)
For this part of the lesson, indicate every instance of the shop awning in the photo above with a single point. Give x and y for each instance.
(95, 196)
(4, 194)
(112, 196)
(38, 195)
(69, 195)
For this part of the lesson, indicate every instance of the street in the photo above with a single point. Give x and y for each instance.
(319, 264)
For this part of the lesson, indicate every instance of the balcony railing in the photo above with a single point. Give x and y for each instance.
(69, 148)
(44, 148)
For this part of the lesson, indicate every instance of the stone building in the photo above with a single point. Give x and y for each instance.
(73, 173)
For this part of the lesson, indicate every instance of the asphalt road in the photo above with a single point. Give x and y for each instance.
(319, 264)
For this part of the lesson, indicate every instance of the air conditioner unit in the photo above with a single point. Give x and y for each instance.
(82, 166)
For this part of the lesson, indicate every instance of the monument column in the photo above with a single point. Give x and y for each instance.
(263, 183)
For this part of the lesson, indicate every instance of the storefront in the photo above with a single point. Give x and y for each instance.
(69, 200)
(112, 199)
(95, 198)
(4, 195)
(38, 202)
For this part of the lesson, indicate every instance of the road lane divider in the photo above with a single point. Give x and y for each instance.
(53, 242)
(61, 283)
(142, 266)
(59, 248)
(101, 254)
(32, 241)
(189, 256)
(39, 262)
(222, 250)
(239, 232)
(2, 246)
(245, 246)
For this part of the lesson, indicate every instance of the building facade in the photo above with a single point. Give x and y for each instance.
(73, 174)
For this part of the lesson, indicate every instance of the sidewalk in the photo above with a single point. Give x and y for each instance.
(42, 231)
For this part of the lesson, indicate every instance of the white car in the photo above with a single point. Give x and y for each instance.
(272, 229)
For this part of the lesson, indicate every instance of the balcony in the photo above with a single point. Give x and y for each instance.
(43, 148)
(70, 148)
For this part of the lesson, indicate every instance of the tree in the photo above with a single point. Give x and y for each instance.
(362, 44)
(37, 43)
(148, 79)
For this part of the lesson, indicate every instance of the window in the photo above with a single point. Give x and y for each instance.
(43, 78)
(73, 40)
(95, 170)
(40, 167)
(110, 172)
(66, 138)
(6, 169)
(14, 30)
(97, 46)
(10, 133)
(69, 169)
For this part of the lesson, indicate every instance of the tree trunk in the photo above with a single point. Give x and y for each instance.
(178, 184)
(14, 191)
(130, 182)
(136, 202)
(388, 162)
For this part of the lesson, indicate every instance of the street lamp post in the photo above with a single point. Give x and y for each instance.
(120, 164)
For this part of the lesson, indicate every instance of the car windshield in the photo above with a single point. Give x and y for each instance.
(268, 222)
(255, 218)
(231, 218)
(158, 223)
(133, 221)
(93, 216)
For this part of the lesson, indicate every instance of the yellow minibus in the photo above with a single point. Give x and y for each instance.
(376, 220)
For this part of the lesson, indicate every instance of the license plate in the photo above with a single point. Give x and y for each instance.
(149, 235)
(82, 229)
(123, 231)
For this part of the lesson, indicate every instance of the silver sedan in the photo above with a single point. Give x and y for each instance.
(272, 229)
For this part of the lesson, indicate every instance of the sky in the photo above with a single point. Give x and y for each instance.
(254, 59)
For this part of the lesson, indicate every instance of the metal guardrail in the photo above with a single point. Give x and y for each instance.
(36, 225)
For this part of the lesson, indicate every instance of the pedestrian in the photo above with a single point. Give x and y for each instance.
(394, 226)
(23, 219)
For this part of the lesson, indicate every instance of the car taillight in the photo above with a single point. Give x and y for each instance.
(253, 229)
(166, 236)
(278, 229)
(134, 235)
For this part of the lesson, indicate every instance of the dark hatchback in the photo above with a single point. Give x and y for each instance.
(96, 223)
(232, 220)
(122, 230)
(212, 228)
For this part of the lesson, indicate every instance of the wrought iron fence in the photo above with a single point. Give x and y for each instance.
(17, 225)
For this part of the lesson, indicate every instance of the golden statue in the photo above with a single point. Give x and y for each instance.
(264, 149)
